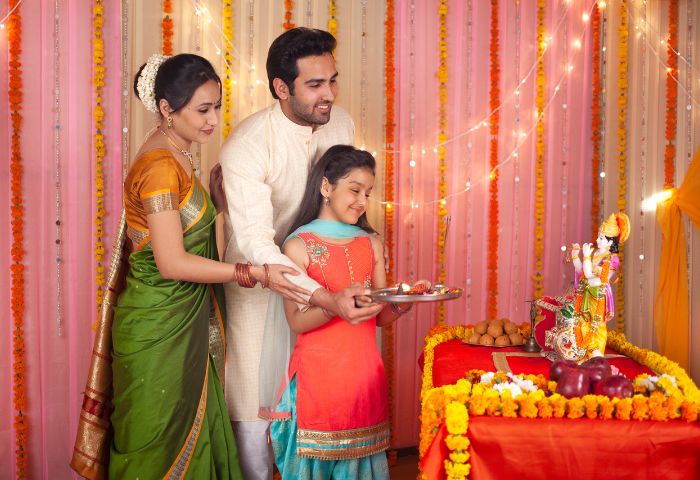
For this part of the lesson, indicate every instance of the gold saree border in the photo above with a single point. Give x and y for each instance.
(182, 462)
(94, 436)
(310, 443)
(191, 210)
(160, 201)
(217, 339)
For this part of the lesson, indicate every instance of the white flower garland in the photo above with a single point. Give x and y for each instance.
(146, 84)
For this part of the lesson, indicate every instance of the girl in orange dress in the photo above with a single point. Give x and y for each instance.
(332, 420)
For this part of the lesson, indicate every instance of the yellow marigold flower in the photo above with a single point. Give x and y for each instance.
(457, 442)
(640, 407)
(456, 417)
(623, 408)
(574, 408)
(606, 408)
(544, 408)
(590, 403)
(459, 457)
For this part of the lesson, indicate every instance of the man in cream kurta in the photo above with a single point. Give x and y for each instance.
(265, 164)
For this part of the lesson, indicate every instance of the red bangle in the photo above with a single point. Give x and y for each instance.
(266, 281)
(243, 275)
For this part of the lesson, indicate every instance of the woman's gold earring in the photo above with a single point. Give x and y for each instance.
(326, 200)
(170, 122)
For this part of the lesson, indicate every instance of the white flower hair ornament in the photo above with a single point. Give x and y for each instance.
(146, 84)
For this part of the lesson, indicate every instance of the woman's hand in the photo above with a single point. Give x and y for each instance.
(278, 283)
(216, 189)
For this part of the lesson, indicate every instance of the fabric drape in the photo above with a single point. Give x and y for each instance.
(671, 307)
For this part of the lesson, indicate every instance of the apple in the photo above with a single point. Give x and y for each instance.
(597, 369)
(574, 383)
(614, 386)
(559, 367)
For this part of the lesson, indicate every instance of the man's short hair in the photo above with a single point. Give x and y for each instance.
(289, 47)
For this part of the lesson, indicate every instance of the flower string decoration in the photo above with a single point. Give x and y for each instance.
(671, 96)
(538, 277)
(494, 124)
(288, 15)
(388, 343)
(100, 149)
(442, 156)
(596, 122)
(623, 42)
(19, 389)
(146, 84)
(227, 87)
(167, 27)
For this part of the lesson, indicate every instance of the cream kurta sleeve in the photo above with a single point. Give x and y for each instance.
(249, 197)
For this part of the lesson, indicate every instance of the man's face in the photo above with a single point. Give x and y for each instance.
(315, 89)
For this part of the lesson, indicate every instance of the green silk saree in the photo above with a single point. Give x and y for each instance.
(169, 416)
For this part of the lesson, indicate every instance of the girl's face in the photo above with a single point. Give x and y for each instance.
(347, 199)
(196, 121)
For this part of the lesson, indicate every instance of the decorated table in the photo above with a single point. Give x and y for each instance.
(473, 426)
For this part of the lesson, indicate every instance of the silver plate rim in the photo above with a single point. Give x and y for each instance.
(385, 295)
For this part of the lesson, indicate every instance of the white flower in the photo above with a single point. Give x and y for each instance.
(526, 385)
(146, 84)
(487, 377)
(511, 387)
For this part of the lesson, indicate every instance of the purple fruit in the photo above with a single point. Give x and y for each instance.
(614, 386)
(574, 383)
(559, 367)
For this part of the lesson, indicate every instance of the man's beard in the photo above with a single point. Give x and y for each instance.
(310, 117)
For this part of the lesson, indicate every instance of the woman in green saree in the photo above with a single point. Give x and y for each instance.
(162, 318)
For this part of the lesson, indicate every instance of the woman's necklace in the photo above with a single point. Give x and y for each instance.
(186, 153)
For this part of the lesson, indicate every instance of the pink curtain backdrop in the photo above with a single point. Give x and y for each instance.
(56, 365)
(468, 103)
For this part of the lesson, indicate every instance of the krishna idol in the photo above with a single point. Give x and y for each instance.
(580, 330)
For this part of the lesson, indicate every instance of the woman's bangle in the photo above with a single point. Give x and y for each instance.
(327, 314)
(586, 257)
(242, 275)
(398, 310)
(266, 281)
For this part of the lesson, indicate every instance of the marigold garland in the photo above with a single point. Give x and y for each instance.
(596, 122)
(623, 37)
(538, 277)
(389, 126)
(98, 81)
(167, 28)
(15, 94)
(332, 20)
(494, 103)
(442, 156)
(671, 96)
(668, 402)
(288, 15)
(227, 30)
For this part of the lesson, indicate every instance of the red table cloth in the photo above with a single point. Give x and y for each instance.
(560, 448)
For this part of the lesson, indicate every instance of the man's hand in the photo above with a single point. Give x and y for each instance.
(216, 189)
(354, 305)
